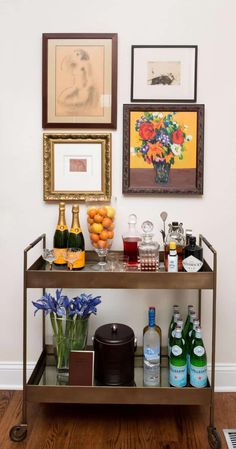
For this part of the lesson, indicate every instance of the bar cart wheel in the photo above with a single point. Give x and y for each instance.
(214, 438)
(18, 433)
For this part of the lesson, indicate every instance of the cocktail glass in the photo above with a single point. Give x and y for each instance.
(49, 256)
(72, 254)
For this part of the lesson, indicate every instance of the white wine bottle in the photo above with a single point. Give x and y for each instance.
(60, 237)
(76, 240)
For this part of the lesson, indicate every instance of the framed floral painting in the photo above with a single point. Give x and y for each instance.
(163, 149)
(79, 80)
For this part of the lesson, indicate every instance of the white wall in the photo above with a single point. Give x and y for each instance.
(210, 24)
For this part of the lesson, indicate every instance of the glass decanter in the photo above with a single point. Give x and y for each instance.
(131, 238)
(148, 249)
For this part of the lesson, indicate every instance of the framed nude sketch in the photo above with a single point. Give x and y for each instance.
(79, 80)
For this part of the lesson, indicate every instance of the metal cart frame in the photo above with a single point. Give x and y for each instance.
(38, 277)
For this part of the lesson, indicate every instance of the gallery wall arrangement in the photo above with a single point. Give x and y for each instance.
(162, 145)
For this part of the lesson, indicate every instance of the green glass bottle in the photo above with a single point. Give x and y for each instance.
(175, 310)
(76, 240)
(188, 339)
(198, 362)
(60, 238)
(172, 331)
(187, 321)
(178, 363)
(178, 323)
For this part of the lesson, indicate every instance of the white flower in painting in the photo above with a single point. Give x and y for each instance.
(176, 149)
(160, 115)
(188, 138)
(132, 151)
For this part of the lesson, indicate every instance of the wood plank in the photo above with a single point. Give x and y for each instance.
(64, 426)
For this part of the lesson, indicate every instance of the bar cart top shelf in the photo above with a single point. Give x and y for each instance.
(38, 275)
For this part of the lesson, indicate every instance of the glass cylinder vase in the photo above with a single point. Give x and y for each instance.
(69, 334)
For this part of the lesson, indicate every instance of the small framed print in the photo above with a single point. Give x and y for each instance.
(79, 80)
(163, 73)
(77, 166)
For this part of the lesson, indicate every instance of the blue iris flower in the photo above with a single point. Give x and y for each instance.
(81, 306)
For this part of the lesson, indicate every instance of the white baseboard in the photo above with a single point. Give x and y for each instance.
(11, 376)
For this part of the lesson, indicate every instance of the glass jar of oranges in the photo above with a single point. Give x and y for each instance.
(101, 225)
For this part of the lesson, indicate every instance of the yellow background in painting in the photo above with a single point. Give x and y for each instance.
(189, 155)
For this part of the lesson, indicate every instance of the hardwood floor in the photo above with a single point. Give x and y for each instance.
(114, 427)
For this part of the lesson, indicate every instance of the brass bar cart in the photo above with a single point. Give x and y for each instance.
(42, 385)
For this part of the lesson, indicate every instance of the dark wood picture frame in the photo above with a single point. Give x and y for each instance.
(79, 80)
(169, 79)
(163, 137)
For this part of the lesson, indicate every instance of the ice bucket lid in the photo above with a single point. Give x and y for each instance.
(114, 333)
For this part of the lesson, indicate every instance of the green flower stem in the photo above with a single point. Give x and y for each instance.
(70, 334)
(53, 323)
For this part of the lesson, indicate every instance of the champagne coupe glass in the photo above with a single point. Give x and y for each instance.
(101, 225)
(72, 254)
(49, 256)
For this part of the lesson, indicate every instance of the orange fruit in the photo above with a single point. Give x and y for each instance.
(96, 228)
(102, 211)
(111, 227)
(102, 244)
(90, 220)
(110, 234)
(106, 222)
(92, 211)
(104, 235)
(94, 237)
(95, 245)
(98, 218)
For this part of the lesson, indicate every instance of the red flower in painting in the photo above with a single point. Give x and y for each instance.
(147, 131)
(178, 137)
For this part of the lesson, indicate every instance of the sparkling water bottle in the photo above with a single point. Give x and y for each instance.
(178, 363)
(198, 361)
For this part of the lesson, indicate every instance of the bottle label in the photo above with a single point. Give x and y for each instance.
(178, 375)
(191, 264)
(172, 264)
(198, 376)
(61, 228)
(176, 350)
(75, 230)
(60, 254)
(152, 354)
(199, 351)
(79, 262)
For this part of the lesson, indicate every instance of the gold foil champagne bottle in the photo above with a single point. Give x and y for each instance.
(76, 240)
(60, 237)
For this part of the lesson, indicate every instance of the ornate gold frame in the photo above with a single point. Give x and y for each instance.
(50, 194)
